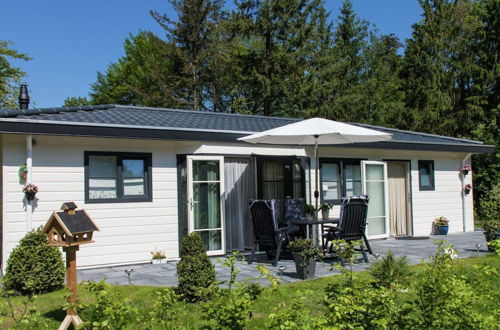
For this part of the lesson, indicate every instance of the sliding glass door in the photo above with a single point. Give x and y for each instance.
(374, 180)
(206, 201)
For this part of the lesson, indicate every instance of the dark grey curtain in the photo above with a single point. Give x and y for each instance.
(239, 188)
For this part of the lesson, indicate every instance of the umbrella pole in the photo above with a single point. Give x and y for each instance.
(316, 175)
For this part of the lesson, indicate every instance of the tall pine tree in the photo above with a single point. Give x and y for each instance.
(191, 34)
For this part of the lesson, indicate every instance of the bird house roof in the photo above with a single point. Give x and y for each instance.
(80, 222)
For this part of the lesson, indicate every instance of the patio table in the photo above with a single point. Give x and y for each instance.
(309, 223)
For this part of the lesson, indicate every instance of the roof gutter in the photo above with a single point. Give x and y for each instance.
(43, 127)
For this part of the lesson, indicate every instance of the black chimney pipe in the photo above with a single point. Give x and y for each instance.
(24, 98)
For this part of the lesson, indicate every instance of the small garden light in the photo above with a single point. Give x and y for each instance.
(129, 273)
(478, 246)
(281, 269)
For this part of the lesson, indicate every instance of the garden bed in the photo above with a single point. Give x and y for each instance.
(49, 306)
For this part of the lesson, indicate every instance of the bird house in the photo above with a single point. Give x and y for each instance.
(69, 227)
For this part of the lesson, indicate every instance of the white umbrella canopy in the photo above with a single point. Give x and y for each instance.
(317, 131)
(322, 131)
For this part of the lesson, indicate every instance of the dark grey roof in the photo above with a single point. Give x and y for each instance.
(77, 223)
(160, 123)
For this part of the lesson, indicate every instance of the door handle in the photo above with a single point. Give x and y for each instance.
(191, 203)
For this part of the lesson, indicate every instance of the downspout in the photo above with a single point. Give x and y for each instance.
(29, 166)
(464, 196)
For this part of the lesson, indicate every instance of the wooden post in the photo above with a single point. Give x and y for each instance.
(71, 282)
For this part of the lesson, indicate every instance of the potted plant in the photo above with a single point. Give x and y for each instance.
(325, 210)
(158, 257)
(467, 188)
(30, 191)
(309, 211)
(304, 255)
(442, 225)
(465, 169)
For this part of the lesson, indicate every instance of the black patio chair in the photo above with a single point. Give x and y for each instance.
(352, 226)
(268, 235)
(294, 211)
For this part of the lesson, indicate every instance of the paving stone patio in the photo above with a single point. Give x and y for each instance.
(164, 274)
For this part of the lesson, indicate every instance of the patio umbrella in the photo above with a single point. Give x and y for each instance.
(317, 131)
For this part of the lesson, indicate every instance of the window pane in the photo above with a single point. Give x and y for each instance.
(205, 170)
(133, 168)
(102, 188)
(425, 172)
(353, 188)
(212, 239)
(376, 193)
(331, 190)
(330, 172)
(102, 166)
(133, 177)
(330, 177)
(353, 173)
(206, 205)
(374, 172)
(297, 175)
(273, 190)
(133, 186)
(102, 177)
(273, 171)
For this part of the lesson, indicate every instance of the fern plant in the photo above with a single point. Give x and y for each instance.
(390, 271)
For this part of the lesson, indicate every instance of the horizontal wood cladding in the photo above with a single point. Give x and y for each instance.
(129, 231)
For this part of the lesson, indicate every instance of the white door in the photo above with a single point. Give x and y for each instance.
(374, 178)
(206, 201)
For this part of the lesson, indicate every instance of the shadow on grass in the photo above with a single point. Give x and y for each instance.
(56, 314)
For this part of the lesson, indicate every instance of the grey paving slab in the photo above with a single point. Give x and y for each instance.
(165, 274)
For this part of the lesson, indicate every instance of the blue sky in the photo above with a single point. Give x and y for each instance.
(70, 41)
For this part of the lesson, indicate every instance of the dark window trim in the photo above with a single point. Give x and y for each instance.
(342, 162)
(120, 156)
(432, 187)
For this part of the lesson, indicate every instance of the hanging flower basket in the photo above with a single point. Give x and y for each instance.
(30, 190)
(23, 173)
(467, 188)
(465, 169)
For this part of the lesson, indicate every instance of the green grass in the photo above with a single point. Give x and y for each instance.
(50, 305)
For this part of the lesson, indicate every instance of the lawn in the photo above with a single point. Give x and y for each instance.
(50, 305)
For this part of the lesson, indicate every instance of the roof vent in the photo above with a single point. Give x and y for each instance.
(24, 98)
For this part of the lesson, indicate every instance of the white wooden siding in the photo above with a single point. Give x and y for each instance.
(129, 231)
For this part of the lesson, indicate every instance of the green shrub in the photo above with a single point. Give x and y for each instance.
(164, 313)
(443, 299)
(390, 271)
(33, 266)
(195, 271)
(490, 212)
(361, 306)
(106, 310)
(293, 316)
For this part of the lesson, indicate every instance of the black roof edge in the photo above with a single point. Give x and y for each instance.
(139, 133)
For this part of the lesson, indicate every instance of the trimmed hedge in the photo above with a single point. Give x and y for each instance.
(195, 271)
(34, 267)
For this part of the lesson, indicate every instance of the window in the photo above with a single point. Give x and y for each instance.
(426, 174)
(117, 177)
(280, 177)
(340, 178)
